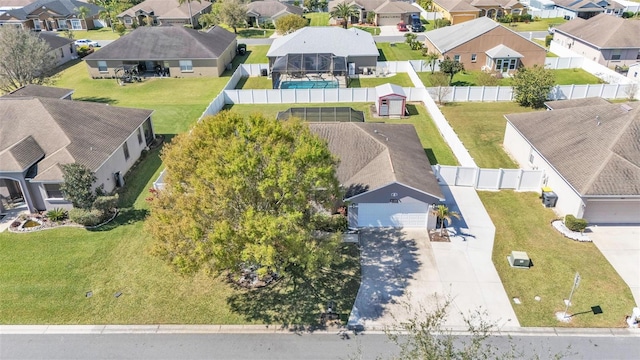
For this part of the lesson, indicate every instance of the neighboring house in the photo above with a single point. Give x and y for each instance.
(385, 172)
(607, 40)
(41, 91)
(268, 11)
(52, 15)
(62, 48)
(589, 150)
(388, 12)
(173, 51)
(483, 44)
(459, 11)
(354, 47)
(586, 9)
(39, 134)
(164, 12)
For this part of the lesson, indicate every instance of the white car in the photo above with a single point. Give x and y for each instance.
(87, 42)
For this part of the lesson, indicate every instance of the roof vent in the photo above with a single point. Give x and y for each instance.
(598, 120)
(626, 107)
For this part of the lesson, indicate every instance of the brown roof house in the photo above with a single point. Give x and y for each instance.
(62, 48)
(173, 51)
(385, 172)
(387, 12)
(38, 134)
(268, 11)
(459, 11)
(52, 15)
(164, 12)
(590, 155)
(483, 44)
(605, 39)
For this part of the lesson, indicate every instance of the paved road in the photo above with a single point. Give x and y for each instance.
(277, 346)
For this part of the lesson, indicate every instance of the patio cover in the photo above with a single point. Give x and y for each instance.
(502, 51)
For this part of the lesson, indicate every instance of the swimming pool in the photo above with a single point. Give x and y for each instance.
(309, 84)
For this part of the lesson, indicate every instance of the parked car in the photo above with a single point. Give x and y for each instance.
(402, 27)
(86, 42)
(417, 28)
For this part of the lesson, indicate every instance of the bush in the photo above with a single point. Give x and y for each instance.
(331, 223)
(120, 29)
(86, 217)
(440, 23)
(547, 40)
(57, 214)
(84, 50)
(575, 224)
(105, 203)
(627, 14)
(528, 17)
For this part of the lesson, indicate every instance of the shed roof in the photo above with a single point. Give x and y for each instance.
(389, 89)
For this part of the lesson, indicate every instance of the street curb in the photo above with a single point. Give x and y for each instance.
(276, 329)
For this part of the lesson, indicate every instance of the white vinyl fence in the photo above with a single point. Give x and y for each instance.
(555, 63)
(490, 179)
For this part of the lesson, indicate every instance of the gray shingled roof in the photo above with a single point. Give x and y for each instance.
(373, 160)
(449, 37)
(21, 155)
(271, 8)
(41, 91)
(53, 40)
(604, 31)
(579, 5)
(565, 104)
(325, 40)
(595, 148)
(167, 43)
(75, 131)
(169, 9)
(62, 7)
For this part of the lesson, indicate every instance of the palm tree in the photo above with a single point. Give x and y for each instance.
(344, 12)
(180, 2)
(442, 213)
(82, 12)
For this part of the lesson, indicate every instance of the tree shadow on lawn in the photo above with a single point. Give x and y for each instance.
(302, 301)
(98, 99)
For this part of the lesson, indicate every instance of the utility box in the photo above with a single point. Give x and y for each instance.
(549, 199)
(519, 259)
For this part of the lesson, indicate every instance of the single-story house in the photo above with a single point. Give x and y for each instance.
(586, 9)
(39, 134)
(589, 151)
(387, 12)
(391, 100)
(62, 48)
(483, 44)
(164, 12)
(53, 15)
(385, 172)
(459, 11)
(174, 51)
(41, 91)
(268, 11)
(607, 40)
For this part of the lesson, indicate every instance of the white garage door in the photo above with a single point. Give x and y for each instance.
(612, 212)
(410, 215)
(395, 108)
(386, 20)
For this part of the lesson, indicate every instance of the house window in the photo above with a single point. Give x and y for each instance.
(76, 24)
(62, 24)
(71, 48)
(128, 21)
(53, 191)
(615, 55)
(139, 135)
(61, 52)
(456, 57)
(474, 57)
(36, 24)
(532, 157)
(102, 66)
(186, 66)
(125, 147)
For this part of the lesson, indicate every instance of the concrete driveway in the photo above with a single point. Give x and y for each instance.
(621, 246)
(391, 31)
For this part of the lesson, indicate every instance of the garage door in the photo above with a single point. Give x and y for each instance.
(612, 212)
(395, 108)
(385, 20)
(410, 215)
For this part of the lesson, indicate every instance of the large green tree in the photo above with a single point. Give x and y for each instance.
(241, 192)
(233, 13)
(344, 11)
(451, 67)
(78, 185)
(290, 23)
(24, 58)
(532, 86)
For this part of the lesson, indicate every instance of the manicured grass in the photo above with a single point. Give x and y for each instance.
(575, 76)
(401, 79)
(98, 34)
(318, 18)
(436, 149)
(480, 127)
(255, 33)
(472, 78)
(523, 224)
(466, 78)
(178, 103)
(257, 54)
(373, 30)
(254, 82)
(397, 52)
(538, 25)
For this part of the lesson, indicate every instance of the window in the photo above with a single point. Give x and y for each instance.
(456, 57)
(62, 24)
(125, 147)
(186, 66)
(102, 66)
(139, 135)
(474, 57)
(71, 48)
(128, 21)
(36, 24)
(53, 191)
(76, 24)
(61, 52)
(512, 64)
(615, 55)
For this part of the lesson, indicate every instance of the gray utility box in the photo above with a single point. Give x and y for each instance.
(549, 199)
(519, 259)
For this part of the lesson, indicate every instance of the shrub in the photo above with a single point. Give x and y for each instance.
(120, 29)
(547, 40)
(84, 50)
(57, 214)
(105, 203)
(86, 217)
(528, 17)
(575, 224)
(627, 14)
(331, 223)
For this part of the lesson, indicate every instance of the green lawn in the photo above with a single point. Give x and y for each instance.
(254, 82)
(538, 25)
(318, 18)
(397, 52)
(373, 30)
(472, 78)
(401, 79)
(523, 224)
(257, 54)
(255, 33)
(436, 149)
(98, 34)
(480, 126)
(575, 76)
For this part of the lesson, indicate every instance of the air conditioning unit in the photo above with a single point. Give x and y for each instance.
(519, 259)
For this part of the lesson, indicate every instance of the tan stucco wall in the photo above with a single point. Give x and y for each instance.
(204, 67)
(602, 57)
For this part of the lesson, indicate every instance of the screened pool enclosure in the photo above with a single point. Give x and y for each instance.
(323, 68)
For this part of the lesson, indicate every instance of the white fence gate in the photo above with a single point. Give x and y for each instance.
(490, 179)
